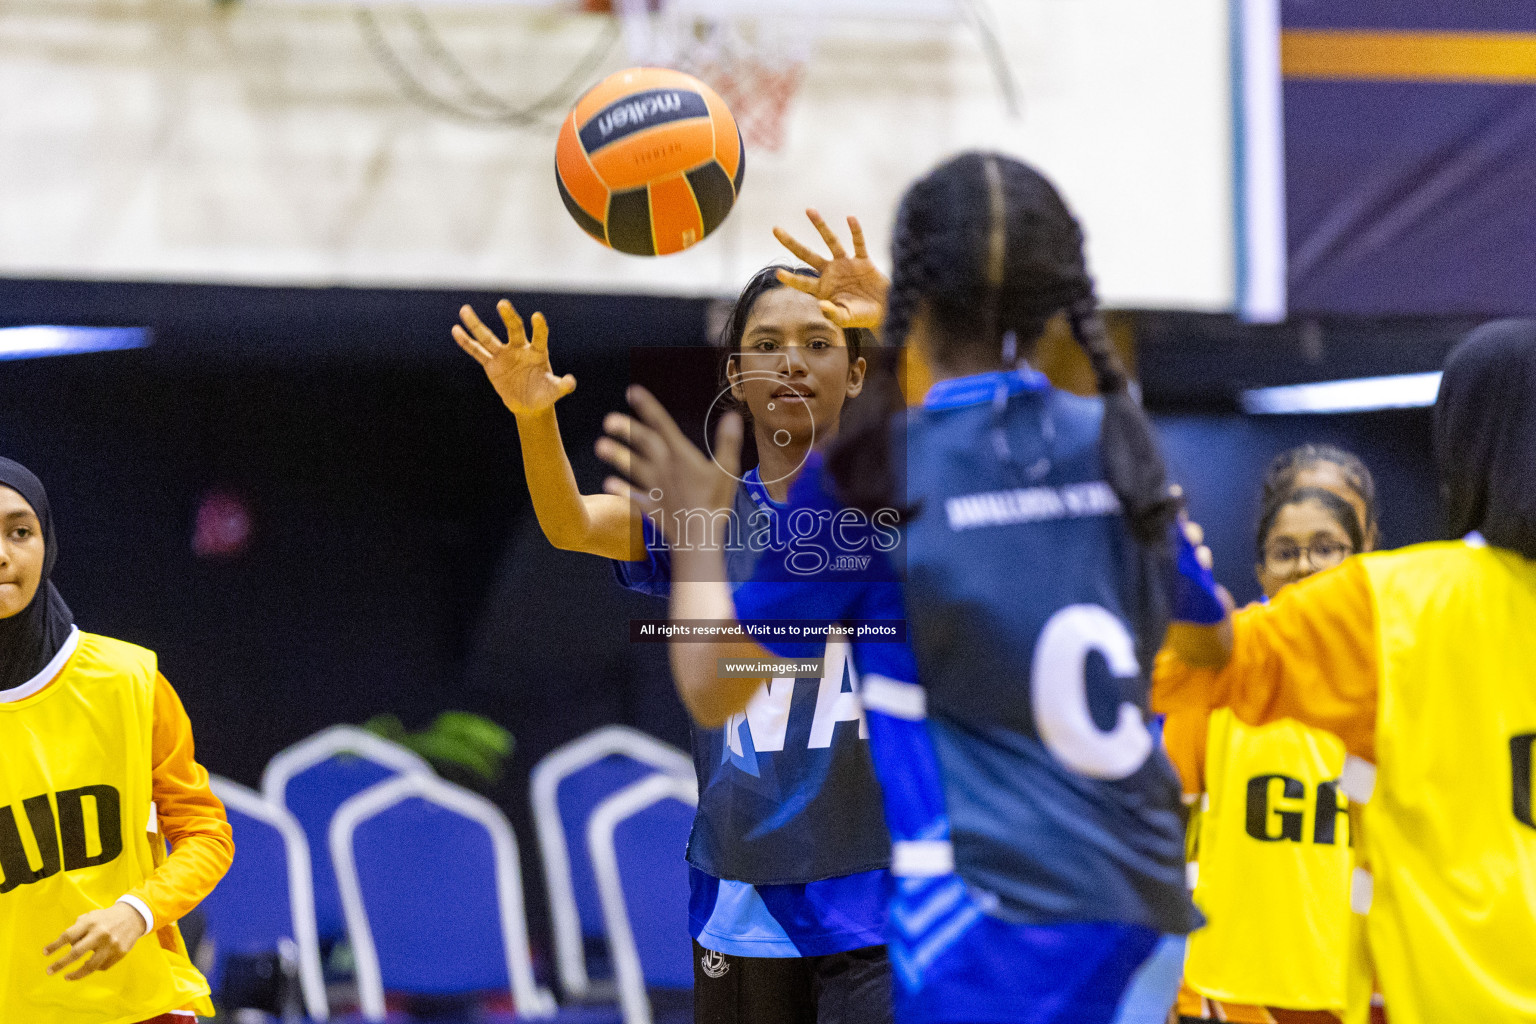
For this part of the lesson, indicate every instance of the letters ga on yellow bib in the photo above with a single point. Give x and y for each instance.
(75, 795)
(1275, 867)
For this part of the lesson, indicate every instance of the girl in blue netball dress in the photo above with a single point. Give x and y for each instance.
(1038, 851)
(789, 849)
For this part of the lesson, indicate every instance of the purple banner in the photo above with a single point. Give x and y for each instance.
(1410, 161)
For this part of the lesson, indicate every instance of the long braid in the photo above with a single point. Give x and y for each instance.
(1133, 467)
(1133, 462)
(909, 271)
(1091, 333)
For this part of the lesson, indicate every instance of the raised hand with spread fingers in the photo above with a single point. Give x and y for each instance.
(667, 477)
(850, 289)
(518, 368)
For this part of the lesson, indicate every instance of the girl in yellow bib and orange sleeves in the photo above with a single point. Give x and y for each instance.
(1421, 662)
(1270, 834)
(96, 775)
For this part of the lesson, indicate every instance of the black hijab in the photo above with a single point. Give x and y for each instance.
(1485, 435)
(30, 638)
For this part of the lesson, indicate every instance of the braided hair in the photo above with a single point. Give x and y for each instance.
(985, 248)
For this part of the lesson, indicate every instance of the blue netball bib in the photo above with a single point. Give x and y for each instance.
(953, 957)
(1025, 591)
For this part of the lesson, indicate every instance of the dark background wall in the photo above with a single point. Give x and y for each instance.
(1192, 368)
(1220, 459)
(395, 564)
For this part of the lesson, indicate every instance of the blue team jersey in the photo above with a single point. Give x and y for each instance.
(954, 960)
(1028, 603)
(789, 847)
(1038, 844)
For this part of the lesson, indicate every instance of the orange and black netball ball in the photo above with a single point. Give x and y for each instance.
(649, 161)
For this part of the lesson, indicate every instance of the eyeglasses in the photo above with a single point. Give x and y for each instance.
(1282, 558)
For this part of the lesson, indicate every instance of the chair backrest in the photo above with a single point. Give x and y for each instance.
(567, 785)
(637, 839)
(265, 897)
(313, 777)
(433, 894)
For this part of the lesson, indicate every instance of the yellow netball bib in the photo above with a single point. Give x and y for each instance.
(74, 816)
(1275, 867)
(1450, 831)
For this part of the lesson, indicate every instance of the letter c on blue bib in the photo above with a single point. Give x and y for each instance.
(1059, 691)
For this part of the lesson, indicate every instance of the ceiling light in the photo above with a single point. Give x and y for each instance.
(32, 342)
(1363, 394)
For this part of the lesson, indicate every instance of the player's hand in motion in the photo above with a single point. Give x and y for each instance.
(1200, 634)
(101, 937)
(851, 289)
(519, 368)
(666, 471)
(1200, 571)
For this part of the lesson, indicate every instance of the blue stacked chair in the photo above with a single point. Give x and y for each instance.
(637, 839)
(567, 786)
(431, 889)
(263, 905)
(312, 778)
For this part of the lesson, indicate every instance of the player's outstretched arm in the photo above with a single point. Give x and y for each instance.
(519, 370)
(850, 289)
(1309, 654)
(667, 474)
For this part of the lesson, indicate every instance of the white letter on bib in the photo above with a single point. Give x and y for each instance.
(833, 703)
(767, 715)
(1059, 688)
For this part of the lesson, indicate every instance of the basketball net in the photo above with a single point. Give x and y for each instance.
(756, 63)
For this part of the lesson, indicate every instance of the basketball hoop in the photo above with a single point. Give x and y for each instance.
(755, 62)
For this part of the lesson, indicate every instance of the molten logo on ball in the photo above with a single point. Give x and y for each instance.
(649, 161)
(643, 111)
